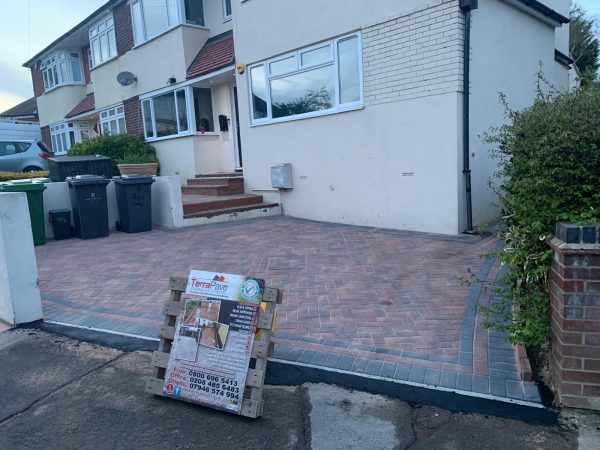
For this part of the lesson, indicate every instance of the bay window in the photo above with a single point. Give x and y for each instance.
(321, 79)
(153, 17)
(112, 121)
(102, 41)
(65, 134)
(62, 68)
(166, 114)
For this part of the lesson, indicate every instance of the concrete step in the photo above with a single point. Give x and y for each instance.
(216, 190)
(194, 204)
(234, 210)
(236, 182)
(220, 175)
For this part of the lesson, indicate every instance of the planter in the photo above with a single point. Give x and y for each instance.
(138, 169)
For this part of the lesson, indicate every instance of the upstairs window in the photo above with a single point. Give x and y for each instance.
(102, 42)
(227, 9)
(62, 68)
(322, 79)
(153, 17)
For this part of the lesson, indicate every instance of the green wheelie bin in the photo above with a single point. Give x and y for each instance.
(35, 200)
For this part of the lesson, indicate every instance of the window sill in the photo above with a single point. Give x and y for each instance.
(328, 112)
(172, 136)
(103, 63)
(207, 133)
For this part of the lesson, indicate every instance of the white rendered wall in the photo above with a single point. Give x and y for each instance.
(54, 105)
(508, 47)
(20, 300)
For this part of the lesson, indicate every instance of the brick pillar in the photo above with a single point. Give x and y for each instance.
(575, 327)
(133, 116)
(46, 136)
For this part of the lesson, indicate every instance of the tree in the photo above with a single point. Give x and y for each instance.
(584, 44)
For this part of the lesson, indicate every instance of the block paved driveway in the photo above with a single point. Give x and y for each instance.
(381, 302)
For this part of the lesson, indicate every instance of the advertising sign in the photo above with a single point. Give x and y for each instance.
(213, 340)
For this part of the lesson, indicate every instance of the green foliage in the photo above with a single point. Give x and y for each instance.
(117, 147)
(549, 171)
(138, 158)
(583, 44)
(7, 176)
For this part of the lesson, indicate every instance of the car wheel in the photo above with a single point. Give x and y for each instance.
(32, 169)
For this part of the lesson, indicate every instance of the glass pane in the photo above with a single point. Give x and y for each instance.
(104, 46)
(138, 26)
(155, 17)
(194, 12)
(303, 92)
(204, 110)
(173, 12)
(147, 113)
(122, 128)
(72, 138)
(112, 46)
(164, 115)
(227, 8)
(96, 51)
(318, 55)
(63, 78)
(120, 110)
(283, 65)
(85, 135)
(54, 146)
(112, 112)
(63, 141)
(182, 111)
(259, 92)
(349, 70)
(76, 68)
(114, 127)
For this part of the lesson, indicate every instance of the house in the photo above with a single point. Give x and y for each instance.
(23, 113)
(373, 104)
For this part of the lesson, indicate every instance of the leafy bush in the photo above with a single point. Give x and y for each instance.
(7, 176)
(549, 171)
(138, 158)
(117, 147)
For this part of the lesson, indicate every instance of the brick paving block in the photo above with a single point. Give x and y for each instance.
(448, 379)
(360, 364)
(415, 355)
(417, 374)
(531, 392)
(504, 374)
(294, 353)
(346, 362)
(280, 351)
(465, 358)
(402, 372)
(514, 389)
(498, 386)
(481, 384)
(464, 382)
(387, 370)
(319, 358)
(444, 358)
(332, 360)
(432, 376)
(374, 367)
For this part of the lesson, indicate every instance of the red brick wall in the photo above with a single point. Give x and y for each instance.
(46, 138)
(575, 326)
(123, 28)
(86, 64)
(133, 116)
(38, 82)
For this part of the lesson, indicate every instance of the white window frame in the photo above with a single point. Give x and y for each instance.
(172, 22)
(52, 73)
(189, 110)
(112, 115)
(299, 68)
(226, 17)
(60, 132)
(103, 27)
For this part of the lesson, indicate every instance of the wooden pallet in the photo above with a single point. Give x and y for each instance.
(252, 403)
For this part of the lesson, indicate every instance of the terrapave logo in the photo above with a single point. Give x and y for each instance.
(217, 284)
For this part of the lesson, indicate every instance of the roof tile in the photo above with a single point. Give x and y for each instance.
(85, 105)
(218, 52)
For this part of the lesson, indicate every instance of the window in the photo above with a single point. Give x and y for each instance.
(62, 68)
(112, 121)
(153, 17)
(322, 79)
(227, 9)
(102, 41)
(204, 110)
(64, 135)
(166, 114)
(8, 148)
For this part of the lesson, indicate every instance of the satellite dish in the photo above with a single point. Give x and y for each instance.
(126, 78)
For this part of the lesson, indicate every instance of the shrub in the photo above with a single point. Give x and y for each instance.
(549, 171)
(7, 176)
(116, 147)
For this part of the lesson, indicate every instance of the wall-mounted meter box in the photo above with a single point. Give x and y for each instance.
(281, 176)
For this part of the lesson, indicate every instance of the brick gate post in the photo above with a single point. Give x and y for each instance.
(575, 326)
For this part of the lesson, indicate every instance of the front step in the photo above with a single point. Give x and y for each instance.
(238, 210)
(220, 175)
(233, 182)
(217, 189)
(195, 204)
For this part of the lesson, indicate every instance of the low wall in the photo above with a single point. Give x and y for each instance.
(575, 326)
(167, 207)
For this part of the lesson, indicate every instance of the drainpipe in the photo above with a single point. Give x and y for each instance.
(467, 6)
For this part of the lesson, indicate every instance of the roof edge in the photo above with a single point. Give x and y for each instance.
(540, 10)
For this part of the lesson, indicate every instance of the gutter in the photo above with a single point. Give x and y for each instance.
(467, 6)
(537, 9)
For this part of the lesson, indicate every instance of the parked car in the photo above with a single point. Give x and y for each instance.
(21, 156)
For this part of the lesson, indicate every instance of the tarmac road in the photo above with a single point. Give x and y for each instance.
(60, 393)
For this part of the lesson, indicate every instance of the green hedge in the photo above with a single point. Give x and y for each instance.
(7, 176)
(117, 147)
(549, 159)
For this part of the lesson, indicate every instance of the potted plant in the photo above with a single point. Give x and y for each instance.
(138, 163)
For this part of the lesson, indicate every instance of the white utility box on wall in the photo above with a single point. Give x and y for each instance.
(281, 176)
